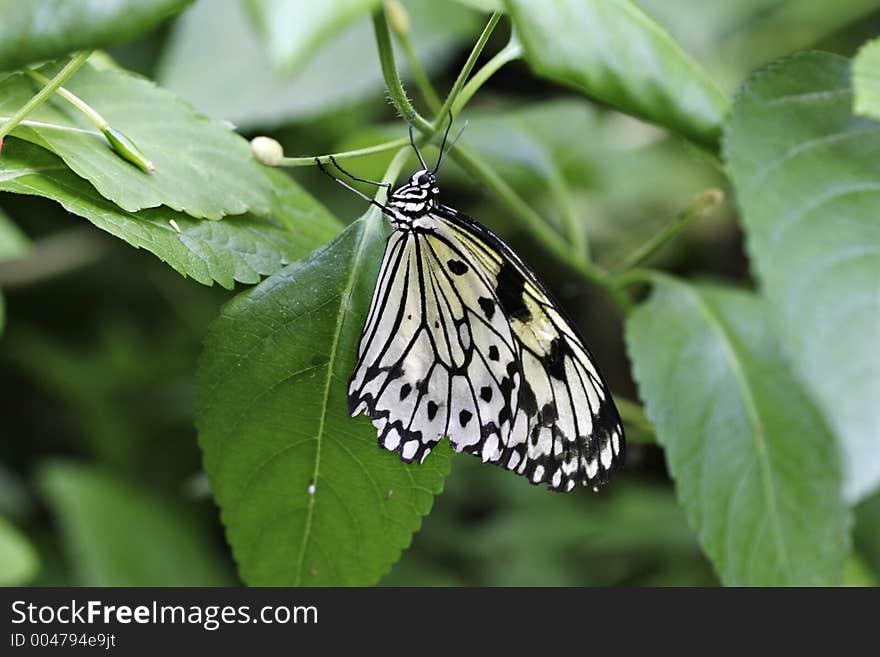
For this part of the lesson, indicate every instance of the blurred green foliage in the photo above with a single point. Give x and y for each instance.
(101, 476)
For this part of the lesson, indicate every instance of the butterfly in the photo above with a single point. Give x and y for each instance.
(463, 340)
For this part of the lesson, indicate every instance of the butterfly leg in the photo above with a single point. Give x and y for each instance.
(363, 180)
(369, 200)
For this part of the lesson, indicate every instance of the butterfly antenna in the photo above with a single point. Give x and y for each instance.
(443, 143)
(369, 200)
(412, 120)
(451, 146)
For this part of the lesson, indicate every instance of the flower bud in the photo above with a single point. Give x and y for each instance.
(267, 151)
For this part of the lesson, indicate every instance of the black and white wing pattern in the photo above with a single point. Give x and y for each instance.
(463, 341)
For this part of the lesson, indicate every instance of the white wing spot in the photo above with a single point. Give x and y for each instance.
(538, 473)
(392, 439)
(409, 449)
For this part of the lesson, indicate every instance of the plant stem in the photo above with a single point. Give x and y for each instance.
(399, 21)
(574, 231)
(420, 77)
(700, 206)
(512, 51)
(548, 237)
(466, 70)
(392, 77)
(479, 169)
(120, 143)
(99, 121)
(41, 96)
(369, 150)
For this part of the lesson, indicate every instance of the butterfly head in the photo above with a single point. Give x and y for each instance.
(416, 198)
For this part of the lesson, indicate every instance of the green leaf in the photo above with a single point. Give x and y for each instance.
(18, 559)
(866, 80)
(240, 248)
(293, 29)
(13, 242)
(344, 71)
(736, 37)
(611, 50)
(805, 173)
(273, 421)
(754, 466)
(119, 534)
(37, 30)
(202, 167)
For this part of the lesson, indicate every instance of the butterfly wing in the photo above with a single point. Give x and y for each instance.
(463, 341)
(574, 430)
(429, 363)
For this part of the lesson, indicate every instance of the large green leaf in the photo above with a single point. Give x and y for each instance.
(307, 496)
(344, 71)
(866, 80)
(733, 38)
(44, 29)
(754, 466)
(807, 182)
(611, 50)
(118, 534)
(239, 248)
(293, 29)
(18, 559)
(202, 167)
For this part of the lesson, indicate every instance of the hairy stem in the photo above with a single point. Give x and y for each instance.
(392, 78)
(398, 17)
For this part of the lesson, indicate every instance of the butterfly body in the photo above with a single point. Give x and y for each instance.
(463, 341)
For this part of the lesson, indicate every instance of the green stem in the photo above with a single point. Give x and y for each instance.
(99, 121)
(479, 169)
(420, 77)
(634, 277)
(511, 52)
(545, 235)
(465, 72)
(392, 77)
(700, 206)
(574, 231)
(60, 78)
(369, 150)
(120, 143)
